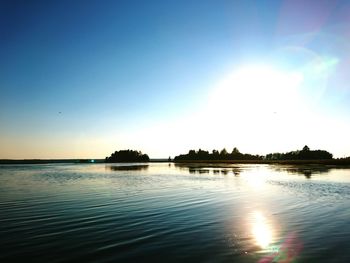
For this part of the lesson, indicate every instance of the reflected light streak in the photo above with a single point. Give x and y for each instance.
(261, 230)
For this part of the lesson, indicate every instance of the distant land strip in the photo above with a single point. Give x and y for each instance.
(345, 161)
(48, 161)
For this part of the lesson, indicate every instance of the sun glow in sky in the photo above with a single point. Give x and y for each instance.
(259, 108)
(256, 90)
(84, 79)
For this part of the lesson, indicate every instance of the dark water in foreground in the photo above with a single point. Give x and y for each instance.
(166, 213)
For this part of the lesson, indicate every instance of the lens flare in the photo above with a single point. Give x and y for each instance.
(287, 252)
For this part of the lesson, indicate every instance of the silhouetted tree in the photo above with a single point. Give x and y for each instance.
(236, 155)
(306, 148)
(235, 151)
(223, 152)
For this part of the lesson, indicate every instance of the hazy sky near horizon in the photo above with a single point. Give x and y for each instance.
(81, 79)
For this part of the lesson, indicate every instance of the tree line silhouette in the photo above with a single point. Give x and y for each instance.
(216, 155)
(235, 154)
(127, 156)
(304, 154)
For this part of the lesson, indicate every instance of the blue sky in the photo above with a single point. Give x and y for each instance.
(80, 79)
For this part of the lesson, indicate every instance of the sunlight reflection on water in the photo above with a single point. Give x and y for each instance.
(261, 230)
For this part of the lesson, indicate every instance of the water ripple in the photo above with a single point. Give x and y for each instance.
(161, 212)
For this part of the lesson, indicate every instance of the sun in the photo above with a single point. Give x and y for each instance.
(256, 89)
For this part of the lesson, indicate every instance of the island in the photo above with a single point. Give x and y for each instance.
(124, 156)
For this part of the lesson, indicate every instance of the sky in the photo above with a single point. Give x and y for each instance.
(82, 79)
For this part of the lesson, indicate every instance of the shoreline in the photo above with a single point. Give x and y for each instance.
(345, 162)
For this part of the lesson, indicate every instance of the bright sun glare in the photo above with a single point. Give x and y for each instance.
(255, 108)
(258, 88)
(253, 100)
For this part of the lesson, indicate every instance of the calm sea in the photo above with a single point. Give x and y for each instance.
(162, 212)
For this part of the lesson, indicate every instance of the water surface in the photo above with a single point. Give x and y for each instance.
(163, 212)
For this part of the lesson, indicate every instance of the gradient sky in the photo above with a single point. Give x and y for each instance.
(81, 79)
